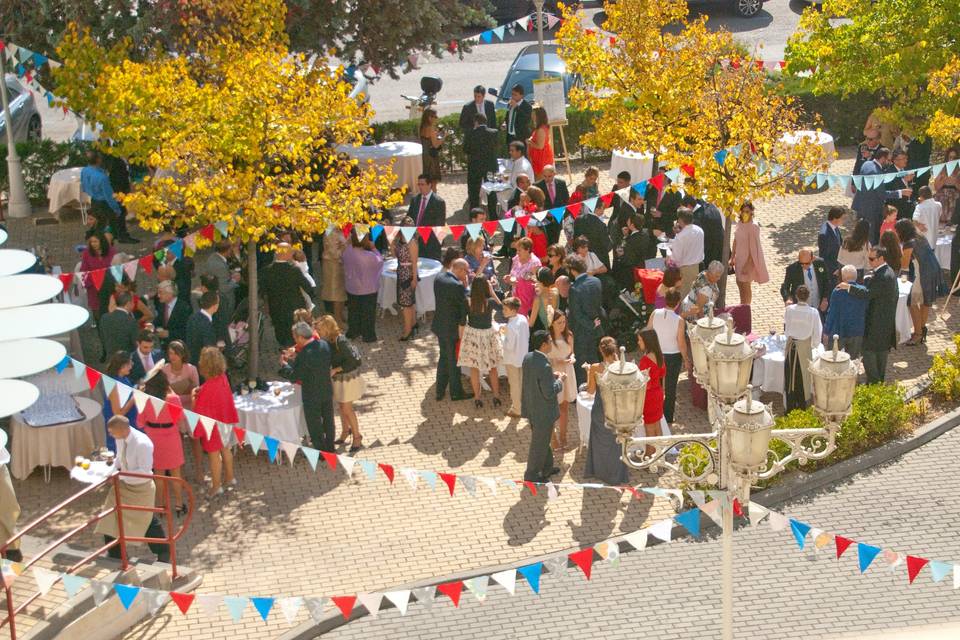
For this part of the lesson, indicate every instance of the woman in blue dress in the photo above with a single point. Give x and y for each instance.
(603, 456)
(920, 264)
(118, 368)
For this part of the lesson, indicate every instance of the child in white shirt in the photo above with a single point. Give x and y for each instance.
(516, 344)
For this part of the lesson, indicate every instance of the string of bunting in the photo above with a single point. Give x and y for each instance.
(27, 64)
(584, 559)
(526, 23)
(162, 411)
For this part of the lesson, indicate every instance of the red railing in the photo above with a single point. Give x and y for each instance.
(121, 540)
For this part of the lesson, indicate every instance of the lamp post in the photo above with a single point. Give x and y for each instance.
(737, 449)
(538, 4)
(18, 206)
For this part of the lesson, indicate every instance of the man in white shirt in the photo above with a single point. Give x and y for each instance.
(516, 344)
(804, 331)
(517, 164)
(9, 507)
(686, 249)
(927, 215)
(134, 455)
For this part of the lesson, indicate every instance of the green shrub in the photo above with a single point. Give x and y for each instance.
(40, 160)
(945, 373)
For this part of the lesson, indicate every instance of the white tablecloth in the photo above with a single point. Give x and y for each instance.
(64, 190)
(427, 270)
(640, 165)
(825, 140)
(768, 368)
(503, 190)
(408, 156)
(904, 322)
(55, 446)
(584, 407)
(943, 250)
(277, 416)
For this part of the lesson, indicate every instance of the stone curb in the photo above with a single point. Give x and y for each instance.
(802, 483)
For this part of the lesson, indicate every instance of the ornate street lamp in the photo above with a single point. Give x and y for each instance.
(729, 363)
(702, 335)
(623, 388)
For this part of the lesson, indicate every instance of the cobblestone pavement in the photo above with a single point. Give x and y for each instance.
(672, 591)
(368, 535)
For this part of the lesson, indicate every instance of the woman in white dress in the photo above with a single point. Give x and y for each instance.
(561, 359)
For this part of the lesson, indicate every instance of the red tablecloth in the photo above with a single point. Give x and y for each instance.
(650, 279)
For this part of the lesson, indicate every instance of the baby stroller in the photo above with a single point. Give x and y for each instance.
(629, 315)
(237, 352)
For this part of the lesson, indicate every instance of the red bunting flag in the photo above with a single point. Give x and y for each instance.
(606, 199)
(450, 480)
(452, 590)
(657, 181)
(207, 232)
(66, 279)
(632, 490)
(345, 604)
(783, 64)
(583, 559)
(457, 230)
(613, 41)
(183, 600)
(523, 221)
(759, 64)
(146, 263)
(531, 486)
(425, 233)
(842, 544)
(93, 377)
(387, 471)
(914, 565)
(735, 63)
(737, 508)
(346, 229)
(241, 434)
(174, 411)
(97, 275)
(574, 208)
(688, 169)
(331, 459)
(491, 226)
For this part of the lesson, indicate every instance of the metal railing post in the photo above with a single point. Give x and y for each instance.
(171, 545)
(11, 614)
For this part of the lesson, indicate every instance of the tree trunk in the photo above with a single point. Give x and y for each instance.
(725, 258)
(253, 312)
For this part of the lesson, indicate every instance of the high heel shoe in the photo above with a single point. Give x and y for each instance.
(341, 439)
(478, 404)
(413, 333)
(914, 341)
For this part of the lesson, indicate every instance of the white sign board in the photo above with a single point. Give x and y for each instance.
(548, 93)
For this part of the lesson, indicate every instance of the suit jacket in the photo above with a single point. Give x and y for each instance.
(594, 230)
(118, 331)
(868, 203)
(434, 215)
(183, 268)
(480, 146)
(200, 334)
(217, 267)
(311, 369)
(584, 307)
(281, 283)
(708, 217)
(538, 399)
(828, 246)
(636, 247)
(668, 206)
(793, 278)
(521, 122)
(138, 372)
(618, 219)
(469, 112)
(881, 293)
(451, 311)
(176, 324)
(562, 194)
(905, 205)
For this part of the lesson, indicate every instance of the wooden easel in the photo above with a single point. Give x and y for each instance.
(953, 289)
(565, 158)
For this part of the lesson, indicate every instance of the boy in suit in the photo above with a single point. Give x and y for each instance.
(519, 116)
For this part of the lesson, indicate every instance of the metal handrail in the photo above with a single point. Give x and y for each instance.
(121, 540)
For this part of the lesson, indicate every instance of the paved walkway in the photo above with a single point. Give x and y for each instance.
(357, 535)
(672, 591)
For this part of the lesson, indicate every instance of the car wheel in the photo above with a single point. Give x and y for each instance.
(747, 8)
(34, 129)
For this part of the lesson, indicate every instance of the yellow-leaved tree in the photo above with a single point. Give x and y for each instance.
(239, 130)
(664, 84)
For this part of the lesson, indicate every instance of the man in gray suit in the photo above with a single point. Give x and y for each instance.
(584, 313)
(118, 329)
(867, 202)
(217, 267)
(538, 404)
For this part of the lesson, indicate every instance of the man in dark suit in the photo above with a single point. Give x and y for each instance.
(282, 283)
(869, 203)
(662, 205)
(918, 155)
(311, 368)
(880, 332)
(904, 203)
(519, 116)
(590, 226)
(523, 183)
(144, 357)
(480, 106)
(172, 313)
(449, 290)
(584, 314)
(812, 273)
(555, 194)
(118, 329)
(225, 310)
(538, 404)
(427, 209)
(200, 330)
(632, 253)
(616, 223)
(634, 204)
(480, 146)
(829, 240)
(708, 217)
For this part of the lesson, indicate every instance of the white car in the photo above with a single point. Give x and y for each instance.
(23, 111)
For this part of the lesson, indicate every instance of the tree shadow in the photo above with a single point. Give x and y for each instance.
(792, 236)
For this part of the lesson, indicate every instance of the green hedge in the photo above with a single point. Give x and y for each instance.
(40, 160)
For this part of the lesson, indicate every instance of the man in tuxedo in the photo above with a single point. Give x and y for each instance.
(904, 203)
(449, 290)
(480, 146)
(427, 209)
(880, 332)
(224, 314)
(200, 330)
(311, 369)
(172, 313)
(555, 195)
(707, 216)
(590, 226)
(118, 329)
(662, 205)
(812, 273)
(632, 253)
(144, 357)
(281, 284)
(584, 314)
(479, 106)
(634, 204)
(869, 203)
(519, 115)
(918, 155)
(829, 240)
(538, 404)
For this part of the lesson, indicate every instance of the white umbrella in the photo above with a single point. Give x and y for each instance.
(15, 396)
(15, 261)
(26, 357)
(26, 289)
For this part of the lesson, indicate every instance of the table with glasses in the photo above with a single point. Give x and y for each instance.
(407, 158)
(904, 321)
(768, 367)
(427, 271)
(944, 242)
(276, 412)
(55, 445)
(498, 185)
(638, 163)
(64, 190)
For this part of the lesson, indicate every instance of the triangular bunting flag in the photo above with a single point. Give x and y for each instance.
(662, 529)
(273, 445)
(430, 477)
(290, 450)
(79, 369)
(506, 579)
(478, 586)
(491, 484)
(369, 468)
(452, 590)
(408, 232)
(469, 483)
(375, 232)
(262, 605)
(914, 565)
(387, 471)
(532, 574)
(531, 486)
(371, 602)
(800, 531)
(93, 377)
(450, 480)
(347, 463)
(255, 440)
(101, 590)
(63, 364)
(558, 213)
(591, 204)
(315, 607)
(72, 584)
(456, 230)
(721, 156)
(400, 599)
(97, 275)
(584, 560)
(690, 520)
(474, 229)
(127, 594)
(235, 605)
(345, 604)
(940, 570)
(45, 579)
(290, 607)
(154, 599)
(425, 233)
(312, 455)
(637, 539)
(331, 459)
(66, 279)
(777, 521)
(841, 544)
(865, 555)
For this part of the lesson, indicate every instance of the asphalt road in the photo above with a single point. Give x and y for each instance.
(487, 64)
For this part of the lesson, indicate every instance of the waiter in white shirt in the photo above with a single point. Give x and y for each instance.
(9, 507)
(804, 331)
(134, 454)
(686, 248)
(517, 164)
(927, 216)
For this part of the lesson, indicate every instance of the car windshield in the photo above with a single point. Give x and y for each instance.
(525, 78)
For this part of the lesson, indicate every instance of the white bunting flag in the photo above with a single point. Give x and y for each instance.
(411, 475)
(506, 579)
(757, 513)
(478, 586)
(347, 463)
(315, 607)
(130, 268)
(712, 510)
(208, 424)
(291, 607)
(425, 595)
(777, 521)
(140, 399)
(209, 604)
(45, 579)
(290, 449)
(400, 599)
(101, 590)
(123, 393)
(637, 539)
(155, 599)
(662, 529)
(956, 576)
(371, 601)
(491, 484)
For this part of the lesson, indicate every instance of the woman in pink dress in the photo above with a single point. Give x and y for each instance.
(523, 273)
(161, 428)
(539, 149)
(97, 255)
(746, 257)
(214, 399)
(183, 379)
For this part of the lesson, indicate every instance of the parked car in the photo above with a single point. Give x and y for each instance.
(743, 8)
(526, 68)
(23, 112)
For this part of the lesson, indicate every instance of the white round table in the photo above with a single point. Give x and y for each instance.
(25, 289)
(768, 368)
(56, 445)
(904, 322)
(278, 416)
(824, 140)
(407, 156)
(3, 236)
(14, 261)
(40, 320)
(15, 396)
(29, 356)
(944, 240)
(639, 164)
(427, 272)
(503, 190)
(64, 190)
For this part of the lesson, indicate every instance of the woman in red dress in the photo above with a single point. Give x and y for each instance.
(650, 359)
(539, 149)
(214, 399)
(161, 428)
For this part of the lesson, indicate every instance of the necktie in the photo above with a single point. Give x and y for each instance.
(810, 274)
(839, 235)
(166, 313)
(513, 113)
(552, 188)
(423, 205)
